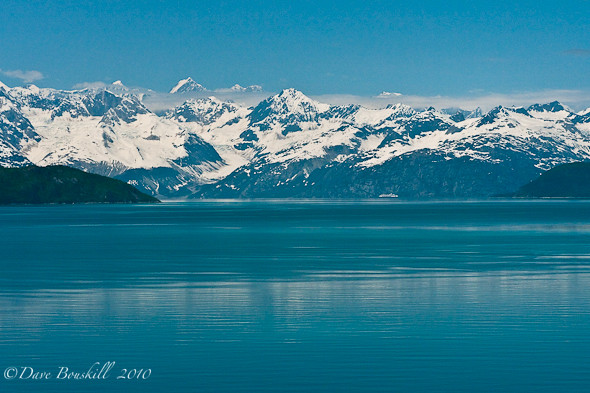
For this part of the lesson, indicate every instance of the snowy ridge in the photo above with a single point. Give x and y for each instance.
(288, 144)
(242, 89)
(187, 85)
(203, 111)
(102, 132)
(17, 134)
(303, 137)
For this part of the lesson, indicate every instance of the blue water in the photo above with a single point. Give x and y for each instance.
(379, 296)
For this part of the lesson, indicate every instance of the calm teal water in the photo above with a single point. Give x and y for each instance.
(299, 296)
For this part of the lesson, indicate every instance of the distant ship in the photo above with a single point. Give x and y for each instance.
(388, 196)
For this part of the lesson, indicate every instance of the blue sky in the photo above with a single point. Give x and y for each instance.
(428, 48)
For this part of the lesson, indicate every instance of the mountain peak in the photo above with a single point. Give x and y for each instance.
(289, 92)
(4, 87)
(400, 109)
(492, 115)
(474, 114)
(254, 88)
(241, 89)
(554, 106)
(289, 105)
(117, 87)
(387, 94)
(293, 100)
(119, 84)
(33, 88)
(519, 109)
(203, 111)
(187, 85)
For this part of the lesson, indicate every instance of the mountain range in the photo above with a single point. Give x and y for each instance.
(288, 145)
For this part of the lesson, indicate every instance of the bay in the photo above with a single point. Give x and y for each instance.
(299, 296)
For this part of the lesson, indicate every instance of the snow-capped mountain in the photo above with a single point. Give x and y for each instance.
(203, 111)
(105, 133)
(16, 132)
(118, 87)
(298, 147)
(187, 85)
(288, 144)
(249, 89)
(289, 107)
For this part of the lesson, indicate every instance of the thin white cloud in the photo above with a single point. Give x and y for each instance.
(576, 99)
(25, 76)
(388, 94)
(578, 52)
(89, 85)
(239, 89)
